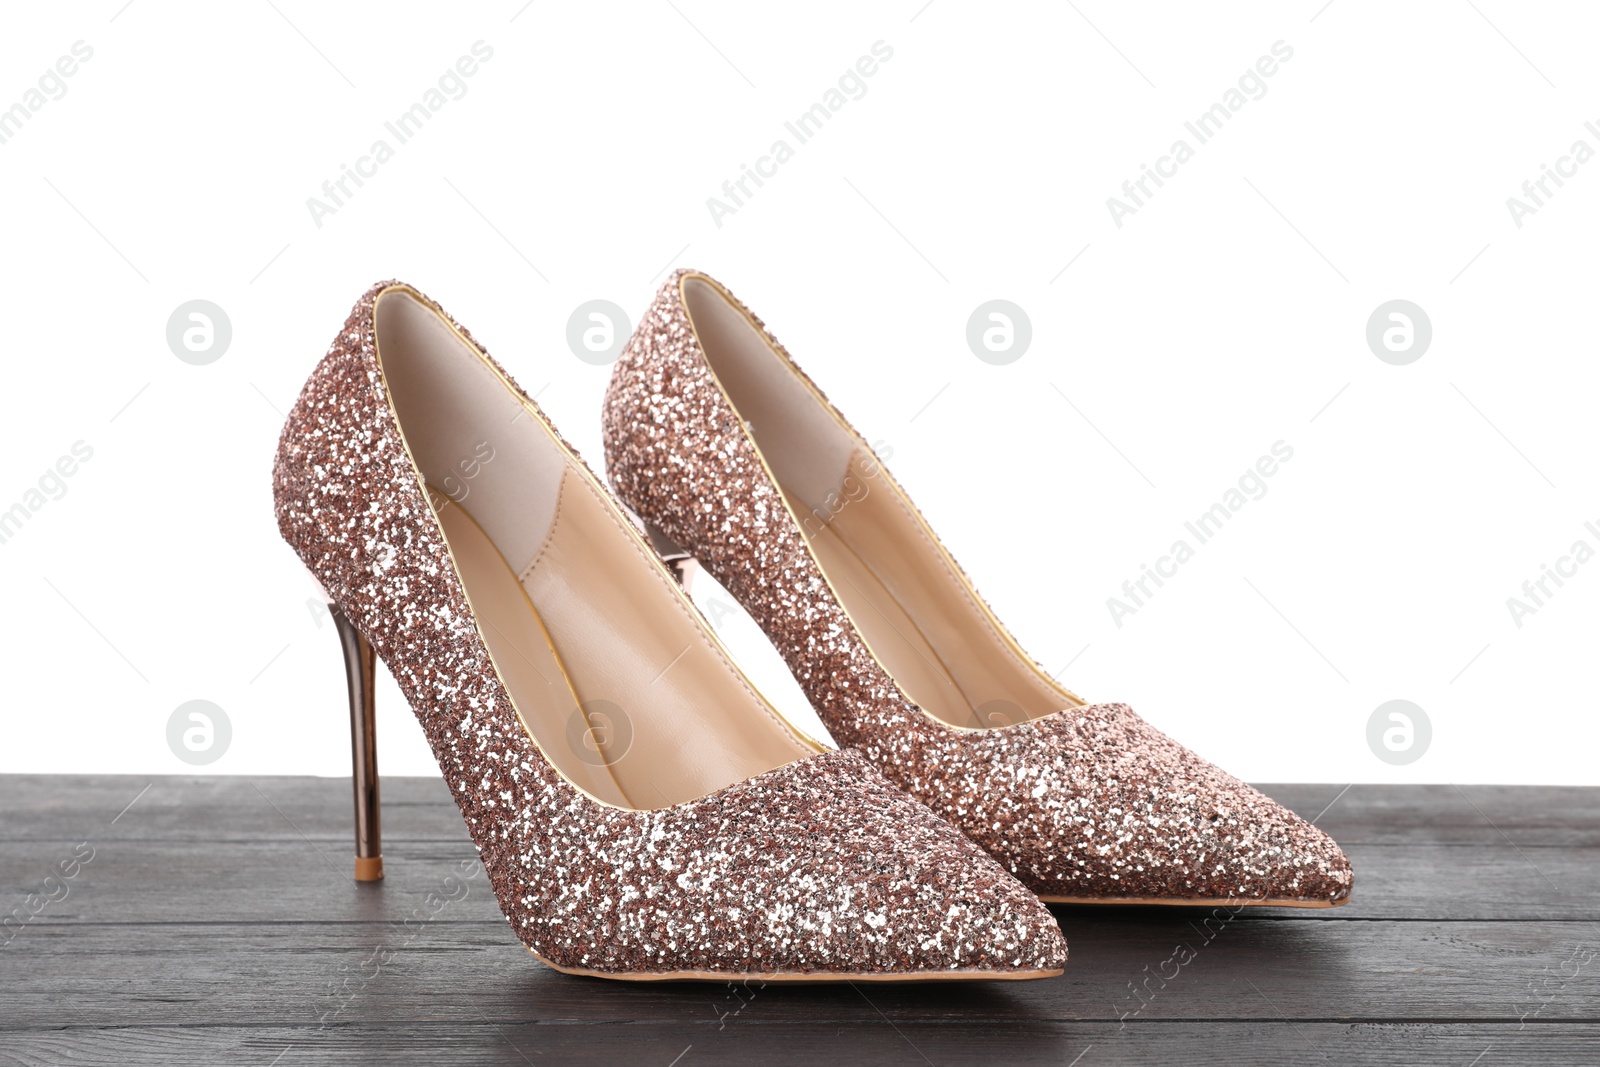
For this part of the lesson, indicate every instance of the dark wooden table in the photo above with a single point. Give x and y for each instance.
(212, 921)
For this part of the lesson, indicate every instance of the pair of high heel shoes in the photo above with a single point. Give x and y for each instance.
(641, 810)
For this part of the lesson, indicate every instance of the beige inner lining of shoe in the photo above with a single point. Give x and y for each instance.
(613, 674)
(918, 615)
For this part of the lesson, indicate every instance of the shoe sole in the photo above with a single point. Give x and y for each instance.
(801, 977)
(1200, 902)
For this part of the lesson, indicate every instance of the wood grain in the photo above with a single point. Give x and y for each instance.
(216, 922)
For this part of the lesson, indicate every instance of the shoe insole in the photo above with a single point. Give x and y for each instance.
(526, 660)
(915, 614)
(610, 668)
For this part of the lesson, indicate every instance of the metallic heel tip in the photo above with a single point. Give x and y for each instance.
(360, 663)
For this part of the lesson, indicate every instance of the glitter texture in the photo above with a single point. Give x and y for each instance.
(1087, 803)
(817, 868)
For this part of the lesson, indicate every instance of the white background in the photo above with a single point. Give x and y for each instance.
(1227, 314)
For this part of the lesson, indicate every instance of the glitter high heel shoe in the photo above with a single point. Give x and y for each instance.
(727, 449)
(640, 810)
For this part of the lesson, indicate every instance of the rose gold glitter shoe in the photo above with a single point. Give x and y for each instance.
(728, 450)
(640, 810)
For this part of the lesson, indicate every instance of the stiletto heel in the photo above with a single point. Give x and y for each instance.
(359, 666)
(679, 560)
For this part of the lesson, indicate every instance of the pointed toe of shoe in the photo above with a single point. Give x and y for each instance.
(978, 919)
(885, 888)
(1001, 924)
(1308, 867)
(1095, 805)
(1246, 847)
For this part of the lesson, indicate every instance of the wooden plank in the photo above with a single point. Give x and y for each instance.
(297, 880)
(482, 1039)
(1530, 816)
(216, 922)
(307, 974)
(217, 807)
(419, 808)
